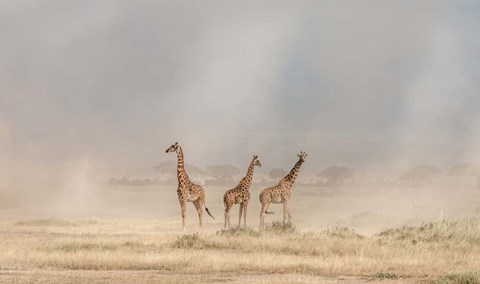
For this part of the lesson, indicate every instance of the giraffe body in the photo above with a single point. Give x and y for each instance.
(240, 195)
(281, 192)
(188, 191)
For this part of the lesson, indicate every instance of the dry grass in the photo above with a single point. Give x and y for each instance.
(459, 278)
(464, 231)
(383, 276)
(45, 222)
(440, 252)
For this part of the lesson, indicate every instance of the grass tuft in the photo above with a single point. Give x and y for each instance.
(384, 276)
(188, 241)
(239, 232)
(194, 241)
(468, 230)
(281, 228)
(459, 278)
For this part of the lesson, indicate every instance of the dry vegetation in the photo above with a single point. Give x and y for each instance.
(350, 235)
(141, 250)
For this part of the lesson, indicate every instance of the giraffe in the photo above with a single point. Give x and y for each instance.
(240, 194)
(188, 191)
(281, 193)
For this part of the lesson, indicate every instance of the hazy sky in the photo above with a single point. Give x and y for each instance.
(358, 83)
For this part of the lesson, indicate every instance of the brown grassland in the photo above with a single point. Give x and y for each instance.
(90, 250)
(334, 240)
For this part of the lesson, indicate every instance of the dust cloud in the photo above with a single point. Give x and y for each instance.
(93, 92)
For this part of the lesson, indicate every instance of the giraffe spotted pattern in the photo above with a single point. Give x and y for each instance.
(188, 191)
(281, 193)
(240, 195)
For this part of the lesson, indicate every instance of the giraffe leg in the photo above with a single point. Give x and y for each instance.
(228, 219)
(245, 205)
(289, 213)
(225, 217)
(240, 213)
(199, 204)
(285, 205)
(262, 214)
(228, 208)
(183, 206)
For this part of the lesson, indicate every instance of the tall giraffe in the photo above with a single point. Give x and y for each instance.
(280, 193)
(188, 191)
(240, 194)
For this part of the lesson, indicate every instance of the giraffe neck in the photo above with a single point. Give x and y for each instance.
(292, 175)
(181, 173)
(247, 180)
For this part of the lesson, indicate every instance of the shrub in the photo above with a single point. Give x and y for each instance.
(384, 275)
(239, 231)
(460, 278)
(278, 227)
(188, 241)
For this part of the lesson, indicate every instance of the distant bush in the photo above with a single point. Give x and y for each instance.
(133, 181)
(222, 174)
(463, 170)
(420, 174)
(336, 175)
(169, 168)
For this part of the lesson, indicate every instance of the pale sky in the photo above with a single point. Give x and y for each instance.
(357, 83)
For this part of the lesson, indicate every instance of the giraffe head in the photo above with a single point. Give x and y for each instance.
(256, 161)
(302, 156)
(172, 148)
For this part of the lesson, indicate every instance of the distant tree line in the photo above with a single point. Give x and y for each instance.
(333, 176)
(424, 174)
(133, 181)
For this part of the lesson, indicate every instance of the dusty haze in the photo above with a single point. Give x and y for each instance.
(91, 90)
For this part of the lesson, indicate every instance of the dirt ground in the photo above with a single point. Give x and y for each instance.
(89, 276)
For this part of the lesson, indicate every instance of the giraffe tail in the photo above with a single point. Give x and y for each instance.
(269, 212)
(208, 211)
